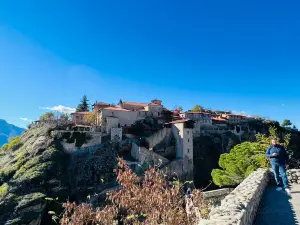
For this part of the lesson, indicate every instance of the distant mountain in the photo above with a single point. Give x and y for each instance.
(7, 131)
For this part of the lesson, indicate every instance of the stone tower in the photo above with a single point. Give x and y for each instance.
(183, 133)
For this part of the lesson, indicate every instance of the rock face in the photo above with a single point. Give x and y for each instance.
(40, 168)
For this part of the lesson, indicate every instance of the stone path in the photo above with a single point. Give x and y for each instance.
(277, 208)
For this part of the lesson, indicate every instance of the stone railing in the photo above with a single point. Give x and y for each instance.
(216, 196)
(293, 176)
(240, 206)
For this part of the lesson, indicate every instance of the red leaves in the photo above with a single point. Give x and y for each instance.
(149, 201)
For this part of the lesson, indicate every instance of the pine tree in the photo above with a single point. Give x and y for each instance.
(83, 106)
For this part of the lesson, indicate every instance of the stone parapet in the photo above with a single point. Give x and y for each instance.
(240, 206)
(293, 176)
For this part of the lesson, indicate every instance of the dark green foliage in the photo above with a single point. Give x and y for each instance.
(286, 123)
(83, 106)
(244, 158)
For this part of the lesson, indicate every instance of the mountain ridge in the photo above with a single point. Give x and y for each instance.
(7, 131)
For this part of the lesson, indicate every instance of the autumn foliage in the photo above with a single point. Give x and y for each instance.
(149, 200)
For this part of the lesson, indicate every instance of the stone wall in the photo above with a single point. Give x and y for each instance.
(158, 137)
(142, 154)
(95, 141)
(240, 206)
(151, 157)
(293, 176)
(116, 133)
(216, 196)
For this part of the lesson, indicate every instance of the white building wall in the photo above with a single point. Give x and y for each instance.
(110, 123)
(125, 117)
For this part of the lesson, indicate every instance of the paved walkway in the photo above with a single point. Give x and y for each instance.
(277, 208)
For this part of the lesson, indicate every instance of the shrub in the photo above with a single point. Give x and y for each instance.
(13, 144)
(3, 190)
(152, 200)
(245, 158)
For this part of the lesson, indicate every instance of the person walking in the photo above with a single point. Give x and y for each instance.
(279, 162)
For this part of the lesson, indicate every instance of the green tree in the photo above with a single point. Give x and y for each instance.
(197, 108)
(286, 123)
(83, 106)
(244, 158)
(180, 108)
(294, 127)
(120, 102)
(47, 116)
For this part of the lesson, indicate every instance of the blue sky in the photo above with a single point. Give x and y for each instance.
(238, 55)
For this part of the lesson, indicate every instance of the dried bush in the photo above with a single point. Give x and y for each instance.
(151, 200)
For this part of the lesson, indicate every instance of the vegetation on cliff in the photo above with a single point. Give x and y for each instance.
(151, 200)
(244, 158)
(35, 166)
(8, 131)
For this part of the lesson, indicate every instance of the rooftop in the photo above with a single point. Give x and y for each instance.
(81, 113)
(116, 109)
(179, 121)
(135, 104)
(219, 119)
(101, 103)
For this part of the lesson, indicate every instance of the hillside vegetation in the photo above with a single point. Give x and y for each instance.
(8, 131)
(34, 168)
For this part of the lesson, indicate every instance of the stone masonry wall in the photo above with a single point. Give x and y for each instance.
(158, 137)
(216, 196)
(240, 206)
(293, 176)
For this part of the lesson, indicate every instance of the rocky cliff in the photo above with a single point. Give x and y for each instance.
(35, 170)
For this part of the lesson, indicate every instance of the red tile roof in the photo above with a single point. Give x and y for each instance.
(196, 113)
(135, 104)
(152, 103)
(116, 109)
(81, 113)
(219, 119)
(179, 121)
(233, 115)
(101, 103)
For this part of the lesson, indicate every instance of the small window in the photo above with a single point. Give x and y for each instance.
(187, 132)
(188, 150)
(188, 140)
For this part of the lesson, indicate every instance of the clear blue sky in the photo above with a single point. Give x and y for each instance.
(239, 55)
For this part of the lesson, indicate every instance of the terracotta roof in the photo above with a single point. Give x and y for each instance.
(117, 109)
(81, 113)
(154, 104)
(135, 104)
(219, 119)
(179, 121)
(233, 115)
(197, 113)
(101, 103)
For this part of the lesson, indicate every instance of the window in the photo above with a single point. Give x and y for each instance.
(187, 132)
(188, 150)
(112, 113)
(188, 140)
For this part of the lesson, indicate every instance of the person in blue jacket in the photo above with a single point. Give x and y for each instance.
(279, 162)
